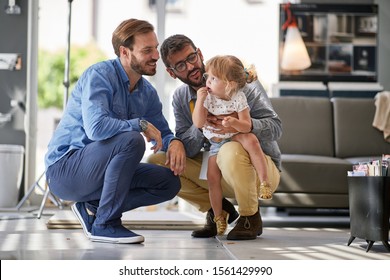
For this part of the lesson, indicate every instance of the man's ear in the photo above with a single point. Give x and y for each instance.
(123, 51)
(171, 72)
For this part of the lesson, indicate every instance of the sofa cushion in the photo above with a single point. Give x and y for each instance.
(307, 125)
(313, 174)
(310, 200)
(354, 134)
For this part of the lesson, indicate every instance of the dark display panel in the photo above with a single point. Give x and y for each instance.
(341, 41)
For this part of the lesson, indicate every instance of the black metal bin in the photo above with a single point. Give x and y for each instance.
(369, 202)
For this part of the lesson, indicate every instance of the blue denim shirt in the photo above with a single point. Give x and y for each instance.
(101, 107)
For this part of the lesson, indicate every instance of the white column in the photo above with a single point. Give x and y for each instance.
(32, 93)
(161, 73)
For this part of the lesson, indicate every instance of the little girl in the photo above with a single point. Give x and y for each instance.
(222, 96)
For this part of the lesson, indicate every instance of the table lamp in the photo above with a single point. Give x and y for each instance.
(295, 55)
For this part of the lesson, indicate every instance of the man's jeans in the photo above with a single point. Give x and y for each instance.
(108, 176)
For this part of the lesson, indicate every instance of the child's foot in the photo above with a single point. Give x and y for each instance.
(221, 222)
(265, 191)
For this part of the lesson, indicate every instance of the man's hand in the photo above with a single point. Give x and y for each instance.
(216, 123)
(152, 133)
(176, 157)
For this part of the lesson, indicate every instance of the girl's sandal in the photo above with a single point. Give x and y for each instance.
(265, 191)
(221, 223)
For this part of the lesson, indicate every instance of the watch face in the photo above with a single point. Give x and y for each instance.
(143, 124)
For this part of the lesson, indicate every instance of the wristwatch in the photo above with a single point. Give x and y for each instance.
(143, 125)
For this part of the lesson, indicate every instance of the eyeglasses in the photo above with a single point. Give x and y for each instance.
(182, 65)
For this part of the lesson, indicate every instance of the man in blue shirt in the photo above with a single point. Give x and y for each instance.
(94, 157)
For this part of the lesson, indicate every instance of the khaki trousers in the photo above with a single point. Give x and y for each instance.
(240, 180)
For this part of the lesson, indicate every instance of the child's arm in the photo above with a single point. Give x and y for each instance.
(199, 115)
(242, 124)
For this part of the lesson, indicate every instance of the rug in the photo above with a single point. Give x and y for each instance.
(136, 219)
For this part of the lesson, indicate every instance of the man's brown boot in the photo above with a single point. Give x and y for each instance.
(209, 229)
(229, 208)
(247, 228)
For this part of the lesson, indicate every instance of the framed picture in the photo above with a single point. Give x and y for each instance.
(366, 25)
(340, 58)
(10, 61)
(364, 58)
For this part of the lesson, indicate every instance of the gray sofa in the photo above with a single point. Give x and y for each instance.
(322, 138)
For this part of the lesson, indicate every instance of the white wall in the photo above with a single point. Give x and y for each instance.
(248, 30)
(53, 23)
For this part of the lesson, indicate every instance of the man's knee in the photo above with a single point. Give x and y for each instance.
(174, 185)
(157, 158)
(130, 139)
(232, 154)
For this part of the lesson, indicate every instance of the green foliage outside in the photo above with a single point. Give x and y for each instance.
(51, 72)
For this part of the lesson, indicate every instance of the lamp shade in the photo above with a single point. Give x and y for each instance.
(295, 55)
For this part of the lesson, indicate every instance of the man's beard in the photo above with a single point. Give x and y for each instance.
(191, 83)
(137, 67)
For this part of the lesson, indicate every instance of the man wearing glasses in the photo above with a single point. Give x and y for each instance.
(185, 62)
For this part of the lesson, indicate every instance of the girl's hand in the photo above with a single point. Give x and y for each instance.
(217, 122)
(202, 93)
(228, 121)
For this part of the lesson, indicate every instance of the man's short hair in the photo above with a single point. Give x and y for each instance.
(124, 34)
(173, 44)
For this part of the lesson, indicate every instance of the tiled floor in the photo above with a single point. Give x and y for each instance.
(23, 237)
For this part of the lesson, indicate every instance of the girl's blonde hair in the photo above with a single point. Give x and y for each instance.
(228, 69)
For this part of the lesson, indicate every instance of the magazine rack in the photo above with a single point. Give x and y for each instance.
(369, 200)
